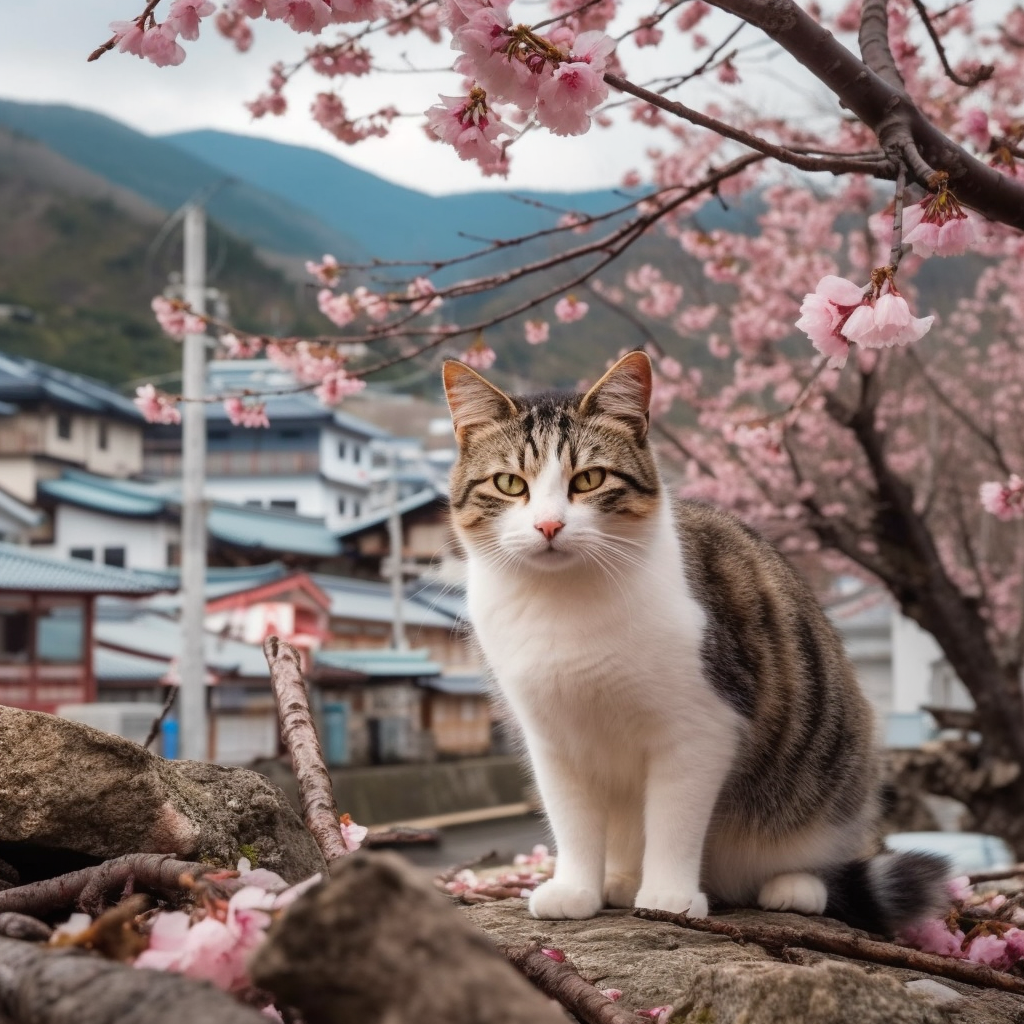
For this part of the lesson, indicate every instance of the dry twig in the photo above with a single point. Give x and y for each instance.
(319, 811)
(87, 888)
(560, 980)
(779, 937)
(997, 874)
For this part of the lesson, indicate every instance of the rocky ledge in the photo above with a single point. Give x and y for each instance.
(713, 979)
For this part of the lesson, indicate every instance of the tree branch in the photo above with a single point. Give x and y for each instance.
(981, 74)
(778, 937)
(882, 107)
(319, 811)
(561, 981)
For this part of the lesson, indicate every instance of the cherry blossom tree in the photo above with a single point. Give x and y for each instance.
(800, 384)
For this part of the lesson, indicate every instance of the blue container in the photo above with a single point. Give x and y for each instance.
(169, 738)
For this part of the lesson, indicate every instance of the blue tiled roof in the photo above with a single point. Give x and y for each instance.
(25, 382)
(102, 496)
(370, 601)
(415, 501)
(457, 686)
(22, 569)
(118, 667)
(271, 530)
(380, 663)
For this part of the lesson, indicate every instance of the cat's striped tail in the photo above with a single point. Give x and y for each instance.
(888, 892)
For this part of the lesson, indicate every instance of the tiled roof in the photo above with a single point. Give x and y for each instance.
(102, 495)
(457, 686)
(22, 569)
(17, 510)
(415, 501)
(380, 663)
(370, 601)
(118, 667)
(26, 382)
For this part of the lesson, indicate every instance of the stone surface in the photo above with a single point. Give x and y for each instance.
(710, 979)
(378, 943)
(68, 787)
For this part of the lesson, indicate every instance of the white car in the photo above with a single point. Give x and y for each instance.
(968, 851)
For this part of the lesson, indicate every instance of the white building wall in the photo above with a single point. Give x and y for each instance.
(914, 656)
(310, 494)
(352, 467)
(145, 540)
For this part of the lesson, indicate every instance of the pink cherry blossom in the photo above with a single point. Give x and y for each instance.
(156, 406)
(300, 15)
(885, 323)
(351, 833)
(574, 89)
(339, 309)
(939, 226)
(614, 994)
(727, 73)
(359, 10)
(554, 954)
(129, 36)
(537, 331)
(959, 888)
(569, 309)
(824, 313)
(160, 46)
(658, 1014)
(991, 950)
(241, 348)
(246, 413)
(692, 12)
(974, 123)
(375, 306)
(327, 271)
(234, 25)
(934, 937)
(1004, 501)
(468, 124)
(176, 320)
(184, 16)
(479, 355)
(338, 385)
(648, 34)
(423, 290)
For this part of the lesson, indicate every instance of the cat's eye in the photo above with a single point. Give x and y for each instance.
(510, 484)
(587, 480)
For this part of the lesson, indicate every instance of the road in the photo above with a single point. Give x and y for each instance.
(460, 843)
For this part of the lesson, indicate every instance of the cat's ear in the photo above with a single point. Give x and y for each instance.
(623, 392)
(471, 399)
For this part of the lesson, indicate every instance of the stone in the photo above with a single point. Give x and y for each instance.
(83, 793)
(710, 979)
(378, 943)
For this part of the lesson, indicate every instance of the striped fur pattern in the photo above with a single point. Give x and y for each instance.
(691, 718)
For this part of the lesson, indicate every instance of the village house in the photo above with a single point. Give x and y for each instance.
(50, 419)
(47, 616)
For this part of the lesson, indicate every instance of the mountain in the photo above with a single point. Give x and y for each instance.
(387, 220)
(166, 175)
(79, 257)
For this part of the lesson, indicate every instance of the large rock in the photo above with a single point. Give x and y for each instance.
(68, 787)
(710, 979)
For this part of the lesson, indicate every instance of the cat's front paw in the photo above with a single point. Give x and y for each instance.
(694, 904)
(797, 891)
(554, 901)
(620, 890)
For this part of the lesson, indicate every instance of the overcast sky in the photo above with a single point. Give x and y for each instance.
(43, 59)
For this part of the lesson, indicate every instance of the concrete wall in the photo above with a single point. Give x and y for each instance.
(144, 540)
(393, 793)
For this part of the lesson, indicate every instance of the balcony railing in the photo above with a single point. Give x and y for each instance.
(163, 464)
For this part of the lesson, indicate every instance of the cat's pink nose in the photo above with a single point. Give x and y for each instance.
(549, 527)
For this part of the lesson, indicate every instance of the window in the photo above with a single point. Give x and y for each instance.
(64, 425)
(291, 435)
(356, 507)
(60, 633)
(103, 438)
(343, 449)
(114, 556)
(15, 631)
(254, 502)
(85, 554)
(342, 507)
(286, 505)
(173, 553)
(218, 435)
(357, 454)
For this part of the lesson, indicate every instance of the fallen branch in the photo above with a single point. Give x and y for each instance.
(88, 887)
(319, 811)
(560, 980)
(39, 985)
(996, 874)
(779, 937)
(21, 926)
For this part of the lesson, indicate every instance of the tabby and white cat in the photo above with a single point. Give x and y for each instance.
(692, 721)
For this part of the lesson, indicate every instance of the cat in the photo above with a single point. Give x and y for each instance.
(692, 721)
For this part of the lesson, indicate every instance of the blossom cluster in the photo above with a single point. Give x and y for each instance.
(557, 79)
(839, 313)
(158, 42)
(1004, 501)
(996, 940)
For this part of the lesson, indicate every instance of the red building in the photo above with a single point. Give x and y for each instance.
(46, 624)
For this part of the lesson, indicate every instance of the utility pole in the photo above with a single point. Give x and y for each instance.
(192, 713)
(395, 545)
